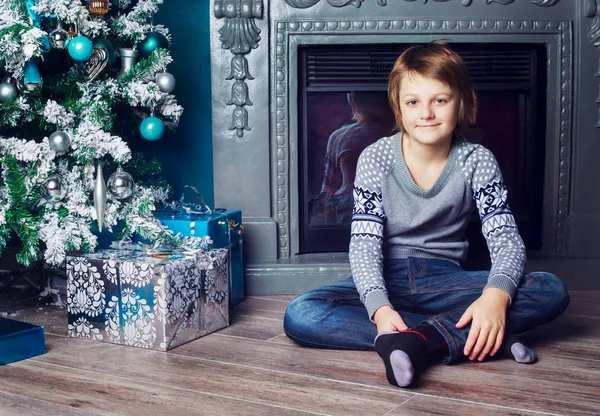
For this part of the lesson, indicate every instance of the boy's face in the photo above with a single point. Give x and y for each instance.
(429, 109)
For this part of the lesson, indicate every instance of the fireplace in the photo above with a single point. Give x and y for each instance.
(343, 108)
(260, 117)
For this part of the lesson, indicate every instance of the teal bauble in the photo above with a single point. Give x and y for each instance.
(152, 128)
(152, 42)
(80, 48)
(112, 53)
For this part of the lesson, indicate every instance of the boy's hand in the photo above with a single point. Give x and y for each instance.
(388, 320)
(489, 318)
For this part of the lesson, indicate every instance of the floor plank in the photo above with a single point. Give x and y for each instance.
(264, 303)
(242, 309)
(587, 308)
(19, 405)
(363, 367)
(577, 337)
(280, 298)
(421, 405)
(254, 327)
(117, 394)
(304, 392)
(585, 295)
(553, 385)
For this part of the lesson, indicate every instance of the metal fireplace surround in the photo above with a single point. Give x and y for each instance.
(254, 58)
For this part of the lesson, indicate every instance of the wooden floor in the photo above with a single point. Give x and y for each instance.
(251, 368)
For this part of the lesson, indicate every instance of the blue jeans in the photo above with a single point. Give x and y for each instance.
(422, 290)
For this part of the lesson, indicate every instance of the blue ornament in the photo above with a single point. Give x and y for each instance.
(152, 128)
(31, 73)
(112, 53)
(80, 48)
(151, 42)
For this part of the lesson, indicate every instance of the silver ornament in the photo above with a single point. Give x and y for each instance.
(100, 196)
(120, 184)
(128, 57)
(59, 141)
(58, 38)
(8, 91)
(165, 81)
(54, 189)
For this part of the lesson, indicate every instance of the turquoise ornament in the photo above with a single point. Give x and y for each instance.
(80, 48)
(152, 42)
(152, 128)
(112, 53)
(31, 73)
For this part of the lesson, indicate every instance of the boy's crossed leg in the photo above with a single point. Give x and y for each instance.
(407, 353)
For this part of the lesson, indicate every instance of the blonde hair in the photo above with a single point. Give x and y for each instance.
(434, 60)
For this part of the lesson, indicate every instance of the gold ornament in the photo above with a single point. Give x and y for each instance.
(98, 7)
(72, 30)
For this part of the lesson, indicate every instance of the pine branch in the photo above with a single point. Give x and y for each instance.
(146, 67)
(18, 216)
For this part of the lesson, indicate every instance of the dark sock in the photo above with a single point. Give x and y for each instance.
(513, 348)
(407, 352)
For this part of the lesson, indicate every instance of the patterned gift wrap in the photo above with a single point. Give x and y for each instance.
(225, 229)
(127, 297)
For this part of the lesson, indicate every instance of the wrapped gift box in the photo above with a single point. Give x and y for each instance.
(130, 297)
(236, 255)
(225, 228)
(20, 340)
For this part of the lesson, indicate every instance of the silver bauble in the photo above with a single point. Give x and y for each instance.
(165, 81)
(54, 189)
(100, 196)
(59, 141)
(120, 184)
(59, 38)
(8, 91)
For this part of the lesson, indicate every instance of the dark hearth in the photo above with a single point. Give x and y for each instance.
(343, 108)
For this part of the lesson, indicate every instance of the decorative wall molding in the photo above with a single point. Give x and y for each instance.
(285, 31)
(592, 9)
(305, 4)
(239, 34)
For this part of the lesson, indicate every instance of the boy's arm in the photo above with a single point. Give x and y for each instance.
(507, 250)
(366, 240)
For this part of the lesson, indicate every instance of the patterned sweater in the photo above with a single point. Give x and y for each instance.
(394, 217)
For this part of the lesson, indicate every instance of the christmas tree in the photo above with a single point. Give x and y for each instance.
(66, 101)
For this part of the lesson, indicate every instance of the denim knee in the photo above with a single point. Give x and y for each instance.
(295, 315)
(555, 293)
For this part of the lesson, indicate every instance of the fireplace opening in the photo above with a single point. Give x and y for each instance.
(343, 108)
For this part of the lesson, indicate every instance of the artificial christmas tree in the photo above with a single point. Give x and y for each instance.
(65, 101)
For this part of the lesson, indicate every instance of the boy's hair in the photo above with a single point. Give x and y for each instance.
(434, 60)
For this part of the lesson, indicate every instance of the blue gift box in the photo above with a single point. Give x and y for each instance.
(225, 228)
(20, 340)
